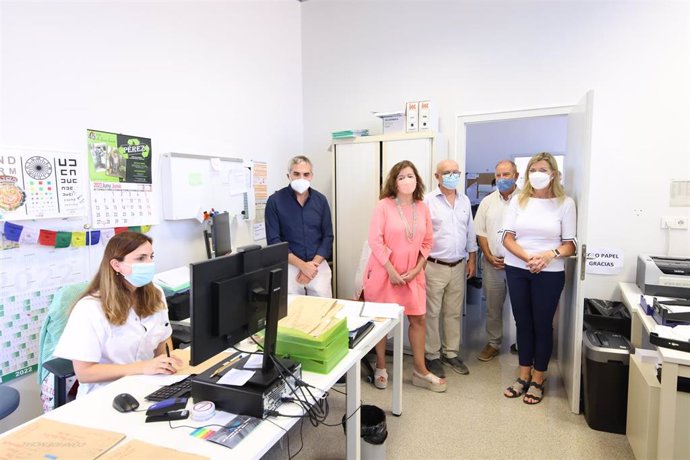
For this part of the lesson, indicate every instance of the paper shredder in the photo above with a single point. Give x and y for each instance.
(605, 365)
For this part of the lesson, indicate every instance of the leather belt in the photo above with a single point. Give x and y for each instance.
(442, 262)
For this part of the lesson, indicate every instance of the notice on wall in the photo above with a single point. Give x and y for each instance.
(604, 261)
(41, 184)
(120, 173)
(260, 182)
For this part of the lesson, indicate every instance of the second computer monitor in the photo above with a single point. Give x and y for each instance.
(220, 232)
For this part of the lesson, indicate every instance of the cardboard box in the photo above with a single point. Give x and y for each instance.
(393, 122)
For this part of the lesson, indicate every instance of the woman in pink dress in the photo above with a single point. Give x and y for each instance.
(400, 237)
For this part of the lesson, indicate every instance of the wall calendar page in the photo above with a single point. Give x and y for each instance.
(121, 185)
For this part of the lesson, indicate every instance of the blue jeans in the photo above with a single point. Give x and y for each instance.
(534, 298)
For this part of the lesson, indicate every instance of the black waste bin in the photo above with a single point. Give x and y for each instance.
(607, 315)
(373, 431)
(605, 365)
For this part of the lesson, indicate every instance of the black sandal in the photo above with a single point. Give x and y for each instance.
(535, 396)
(518, 388)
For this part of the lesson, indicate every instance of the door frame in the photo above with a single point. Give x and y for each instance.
(462, 120)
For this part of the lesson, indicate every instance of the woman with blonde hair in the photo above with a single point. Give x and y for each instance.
(120, 324)
(538, 232)
(400, 237)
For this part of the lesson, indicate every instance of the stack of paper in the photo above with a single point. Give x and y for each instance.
(350, 133)
(175, 280)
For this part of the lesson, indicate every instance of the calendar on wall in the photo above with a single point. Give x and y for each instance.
(121, 185)
(41, 184)
(28, 280)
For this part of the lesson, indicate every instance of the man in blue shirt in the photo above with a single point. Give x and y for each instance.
(301, 216)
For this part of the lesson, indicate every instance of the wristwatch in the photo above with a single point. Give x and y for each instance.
(557, 252)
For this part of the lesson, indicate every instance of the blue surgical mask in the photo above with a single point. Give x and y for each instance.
(450, 181)
(142, 274)
(504, 184)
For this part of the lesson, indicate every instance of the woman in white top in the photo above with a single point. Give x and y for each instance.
(120, 324)
(539, 230)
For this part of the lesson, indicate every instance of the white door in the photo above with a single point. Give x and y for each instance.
(356, 191)
(571, 310)
(418, 151)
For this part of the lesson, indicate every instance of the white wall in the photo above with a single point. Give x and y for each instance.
(490, 142)
(219, 78)
(473, 57)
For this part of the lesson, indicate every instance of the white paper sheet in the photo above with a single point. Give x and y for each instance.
(381, 310)
(254, 362)
(236, 377)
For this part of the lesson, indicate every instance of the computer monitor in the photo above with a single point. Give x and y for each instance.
(235, 296)
(220, 233)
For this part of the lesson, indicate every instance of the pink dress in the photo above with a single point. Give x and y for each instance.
(388, 241)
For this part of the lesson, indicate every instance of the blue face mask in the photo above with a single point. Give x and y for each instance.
(450, 181)
(142, 274)
(505, 184)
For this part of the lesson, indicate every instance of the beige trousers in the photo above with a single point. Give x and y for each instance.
(495, 290)
(445, 295)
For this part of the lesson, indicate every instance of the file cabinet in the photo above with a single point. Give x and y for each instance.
(360, 166)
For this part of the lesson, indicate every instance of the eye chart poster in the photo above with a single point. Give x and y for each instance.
(120, 173)
(41, 184)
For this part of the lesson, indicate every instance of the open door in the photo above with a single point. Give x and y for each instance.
(571, 311)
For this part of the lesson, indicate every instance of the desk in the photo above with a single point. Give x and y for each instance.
(95, 409)
(675, 363)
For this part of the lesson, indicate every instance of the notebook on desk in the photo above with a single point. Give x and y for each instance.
(358, 334)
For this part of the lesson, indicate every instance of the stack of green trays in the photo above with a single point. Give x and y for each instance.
(315, 354)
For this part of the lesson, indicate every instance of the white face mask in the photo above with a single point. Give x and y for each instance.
(300, 185)
(539, 180)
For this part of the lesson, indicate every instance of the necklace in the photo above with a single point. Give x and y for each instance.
(409, 234)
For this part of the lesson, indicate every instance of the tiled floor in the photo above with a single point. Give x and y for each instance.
(471, 420)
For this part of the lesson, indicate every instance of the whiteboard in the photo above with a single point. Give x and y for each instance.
(192, 184)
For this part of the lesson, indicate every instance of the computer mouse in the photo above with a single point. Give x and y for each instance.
(125, 402)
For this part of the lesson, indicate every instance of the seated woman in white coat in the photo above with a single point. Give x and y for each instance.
(120, 324)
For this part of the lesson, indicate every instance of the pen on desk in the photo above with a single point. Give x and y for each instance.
(167, 353)
(361, 310)
(232, 360)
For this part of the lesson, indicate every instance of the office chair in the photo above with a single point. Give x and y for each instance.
(52, 328)
(9, 400)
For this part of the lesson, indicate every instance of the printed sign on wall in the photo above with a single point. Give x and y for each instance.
(603, 261)
(41, 184)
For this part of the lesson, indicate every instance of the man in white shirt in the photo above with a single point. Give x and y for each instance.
(488, 223)
(452, 260)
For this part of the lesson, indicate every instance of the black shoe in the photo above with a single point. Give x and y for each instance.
(456, 364)
(435, 367)
(513, 348)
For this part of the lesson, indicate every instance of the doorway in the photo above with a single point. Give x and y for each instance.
(487, 143)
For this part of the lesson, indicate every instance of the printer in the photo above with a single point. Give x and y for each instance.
(663, 276)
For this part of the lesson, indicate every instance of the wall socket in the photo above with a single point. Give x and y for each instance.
(675, 222)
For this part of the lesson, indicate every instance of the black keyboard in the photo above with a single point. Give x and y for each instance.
(176, 390)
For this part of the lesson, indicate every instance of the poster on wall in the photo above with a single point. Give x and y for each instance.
(260, 182)
(29, 278)
(121, 183)
(41, 184)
